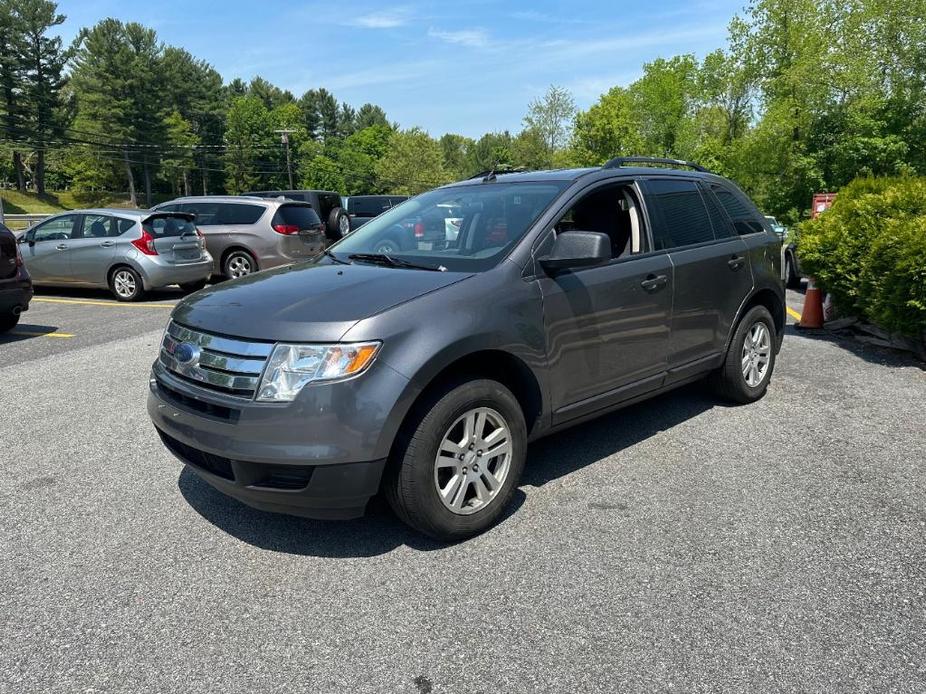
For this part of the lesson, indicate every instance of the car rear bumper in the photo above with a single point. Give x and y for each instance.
(15, 294)
(157, 274)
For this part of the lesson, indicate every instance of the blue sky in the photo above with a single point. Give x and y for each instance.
(468, 67)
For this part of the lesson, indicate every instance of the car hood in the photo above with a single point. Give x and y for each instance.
(306, 302)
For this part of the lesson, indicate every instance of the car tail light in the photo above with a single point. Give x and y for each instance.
(146, 243)
(419, 230)
(19, 257)
(286, 228)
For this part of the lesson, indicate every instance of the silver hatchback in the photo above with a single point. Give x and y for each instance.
(246, 234)
(128, 251)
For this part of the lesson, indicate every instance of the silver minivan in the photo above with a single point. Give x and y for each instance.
(128, 251)
(246, 233)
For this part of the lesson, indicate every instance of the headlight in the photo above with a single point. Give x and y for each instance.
(292, 367)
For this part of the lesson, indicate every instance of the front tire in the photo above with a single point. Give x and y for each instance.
(456, 466)
(750, 361)
(126, 284)
(8, 322)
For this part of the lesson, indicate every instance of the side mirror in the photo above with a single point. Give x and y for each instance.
(575, 249)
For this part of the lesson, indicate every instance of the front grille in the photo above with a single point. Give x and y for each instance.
(221, 364)
(227, 414)
(215, 464)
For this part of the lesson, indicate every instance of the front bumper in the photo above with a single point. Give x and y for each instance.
(320, 456)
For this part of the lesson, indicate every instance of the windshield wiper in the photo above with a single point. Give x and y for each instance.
(392, 261)
(335, 258)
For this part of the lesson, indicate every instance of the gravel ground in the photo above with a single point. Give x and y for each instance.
(679, 544)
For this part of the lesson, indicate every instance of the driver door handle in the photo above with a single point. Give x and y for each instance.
(736, 262)
(654, 283)
(62, 246)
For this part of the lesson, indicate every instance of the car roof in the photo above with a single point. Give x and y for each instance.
(220, 198)
(575, 174)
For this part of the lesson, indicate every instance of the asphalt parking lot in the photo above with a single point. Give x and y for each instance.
(679, 544)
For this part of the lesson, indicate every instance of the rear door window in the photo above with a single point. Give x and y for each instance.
(722, 226)
(233, 213)
(301, 216)
(684, 217)
(100, 226)
(369, 207)
(745, 218)
(206, 212)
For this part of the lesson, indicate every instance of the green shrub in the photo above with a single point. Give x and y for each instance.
(869, 252)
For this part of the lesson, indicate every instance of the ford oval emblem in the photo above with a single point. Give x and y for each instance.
(186, 353)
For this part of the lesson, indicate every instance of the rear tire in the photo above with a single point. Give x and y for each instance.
(8, 321)
(193, 286)
(338, 225)
(125, 284)
(238, 263)
(750, 361)
(470, 419)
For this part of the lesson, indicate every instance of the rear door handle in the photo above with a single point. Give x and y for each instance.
(654, 283)
(62, 246)
(736, 262)
(107, 244)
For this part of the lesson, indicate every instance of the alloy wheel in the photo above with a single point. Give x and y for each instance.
(124, 284)
(239, 266)
(756, 355)
(473, 461)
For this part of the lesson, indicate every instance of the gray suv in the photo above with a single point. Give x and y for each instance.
(246, 234)
(425, 373)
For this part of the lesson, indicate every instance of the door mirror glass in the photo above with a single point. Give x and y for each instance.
(575, 249)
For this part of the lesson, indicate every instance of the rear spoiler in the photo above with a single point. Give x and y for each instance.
(188, 216)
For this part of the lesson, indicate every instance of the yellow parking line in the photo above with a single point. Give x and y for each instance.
(30, 333)
(794, 314)
(85, 302)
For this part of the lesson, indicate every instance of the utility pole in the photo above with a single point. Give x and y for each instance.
(284, 138)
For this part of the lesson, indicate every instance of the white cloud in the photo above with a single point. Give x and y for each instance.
(387, 19)
(471, 38)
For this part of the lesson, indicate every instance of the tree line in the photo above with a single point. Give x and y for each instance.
(805, 96)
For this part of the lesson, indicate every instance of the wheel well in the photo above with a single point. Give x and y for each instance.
(771, 301)
(229, 251)
(112, 271)
(499, 366)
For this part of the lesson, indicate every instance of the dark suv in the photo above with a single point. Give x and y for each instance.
(15, 284)
(425, 373)
(325, 202)
(362, 208)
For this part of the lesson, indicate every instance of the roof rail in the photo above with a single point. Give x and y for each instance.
(618, 162)
(488, 176)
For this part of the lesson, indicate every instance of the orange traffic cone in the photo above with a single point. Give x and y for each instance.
(812, 315)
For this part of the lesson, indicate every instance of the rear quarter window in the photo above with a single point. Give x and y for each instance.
(746, 219)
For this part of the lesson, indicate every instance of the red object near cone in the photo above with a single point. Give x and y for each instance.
(812, 315)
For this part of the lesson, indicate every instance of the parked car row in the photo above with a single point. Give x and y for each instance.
(189, 240)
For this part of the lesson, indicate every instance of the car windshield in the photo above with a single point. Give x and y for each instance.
(464, 228)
